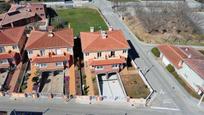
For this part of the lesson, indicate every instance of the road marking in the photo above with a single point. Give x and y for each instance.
(165, 108)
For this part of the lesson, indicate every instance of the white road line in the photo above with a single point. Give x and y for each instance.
(165, 108)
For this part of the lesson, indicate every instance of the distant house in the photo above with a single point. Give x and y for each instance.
(12, 42)
(104, 51)
(189, 63)
(20, 15)
(50, 51)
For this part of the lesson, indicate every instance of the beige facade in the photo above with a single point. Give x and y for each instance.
(57, 51)
(105, 55)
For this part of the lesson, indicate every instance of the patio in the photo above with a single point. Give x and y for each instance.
(52, 82)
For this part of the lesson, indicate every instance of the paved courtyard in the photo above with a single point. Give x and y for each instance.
(110, 86)
(3, 75)
(54, 84)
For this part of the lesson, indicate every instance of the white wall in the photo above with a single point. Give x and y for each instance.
(191, 77)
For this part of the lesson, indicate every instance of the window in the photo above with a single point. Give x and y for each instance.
(99, 54)
(42, 52)
(59, 64)
(87, 54)
(99, 67)
(115, 66)
(30, 52)
(41, 8)
(37, 8)
(41, 14)
(2, 49)
(112, 53)
(124, 51)
(4, 61)
(42, 65)
(15, 47)
(59, 51)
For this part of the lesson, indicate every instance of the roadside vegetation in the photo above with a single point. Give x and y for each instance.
(171, 69)
(173, 23)
(155, 51)
(80, 19)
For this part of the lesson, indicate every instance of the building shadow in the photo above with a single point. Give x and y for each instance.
(132, 51)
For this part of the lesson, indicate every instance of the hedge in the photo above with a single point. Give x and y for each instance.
(155, 51)
(170, 68)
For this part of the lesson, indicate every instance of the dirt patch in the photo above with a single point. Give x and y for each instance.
(161, 37)
(134, 86)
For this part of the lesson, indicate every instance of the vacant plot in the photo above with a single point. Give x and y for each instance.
(81, 19)
(134, 86)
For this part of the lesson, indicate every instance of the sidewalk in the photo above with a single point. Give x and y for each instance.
(72, 80)
(89, 81)
(30, 83)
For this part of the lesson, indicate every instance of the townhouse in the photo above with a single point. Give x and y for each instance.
(188, 63)
(50, 51)
(104, 51)
(12, 42)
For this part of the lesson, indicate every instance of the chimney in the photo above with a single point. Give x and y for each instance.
(189, 55)
(103, 34)
(91, 29)
(50, 31)
(110, 28)
(180, 63)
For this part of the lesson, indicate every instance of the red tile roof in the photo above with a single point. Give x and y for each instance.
(93, 41)
(197, 66)
(51, 59)
(7, 55)
(6, 18)
(106, 62)
(173, 54)
(192, 53)
(11, 36)
(60, 39)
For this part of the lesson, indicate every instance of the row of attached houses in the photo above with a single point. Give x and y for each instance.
(188, 62)
(50, 51)
(104, 51)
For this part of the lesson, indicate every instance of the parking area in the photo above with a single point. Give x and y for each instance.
(52, 82)
(110, 85)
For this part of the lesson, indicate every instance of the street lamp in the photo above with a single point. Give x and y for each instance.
(202, 89)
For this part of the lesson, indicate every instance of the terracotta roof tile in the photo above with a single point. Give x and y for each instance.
(11, 36)
(197, 66)
(192, 53)
(106, 62)
(173, 54)
(51, 59)
(7, 55)
(93, 41)
(39, 39)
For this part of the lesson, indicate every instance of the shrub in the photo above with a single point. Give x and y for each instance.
(23, 87)
(156, 51)
(4, 7)
(93, 79)
(35, 79)
(170, 68)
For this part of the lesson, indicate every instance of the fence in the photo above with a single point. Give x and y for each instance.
(146, 83)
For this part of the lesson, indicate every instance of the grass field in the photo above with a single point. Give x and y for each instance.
(81, 19)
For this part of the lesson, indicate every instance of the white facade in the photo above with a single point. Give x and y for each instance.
(191, 77)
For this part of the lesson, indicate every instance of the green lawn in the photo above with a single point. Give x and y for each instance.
(81, 19)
